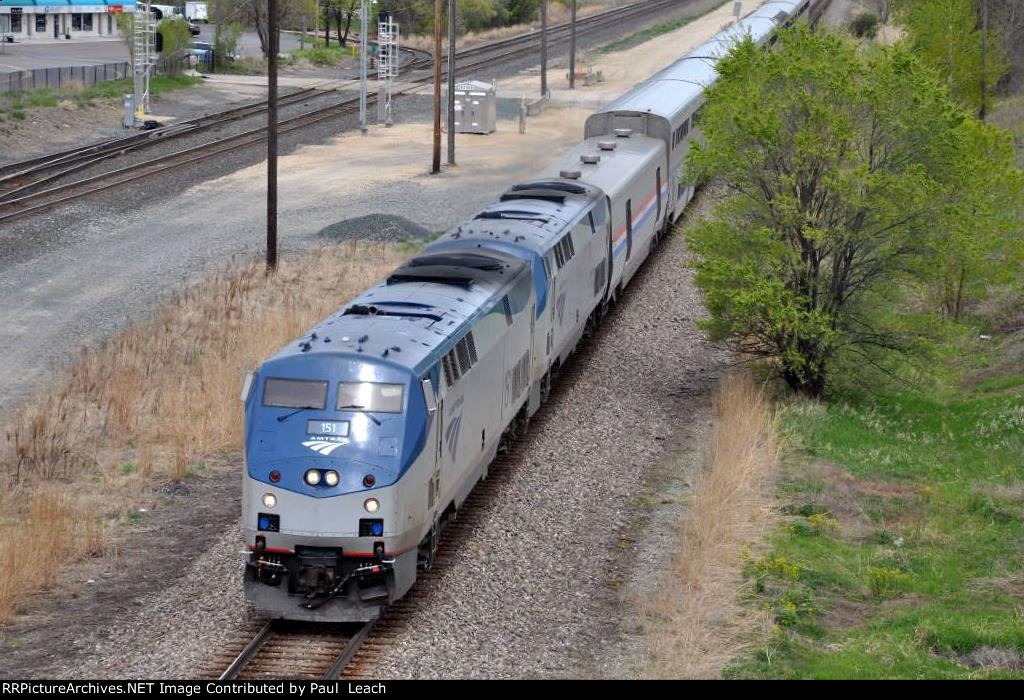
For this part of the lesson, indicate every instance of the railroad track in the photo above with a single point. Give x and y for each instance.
(20, 183)
(301, 651)
(19, 178)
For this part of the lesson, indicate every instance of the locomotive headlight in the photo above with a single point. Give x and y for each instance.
(331, 478)
(269, 500)
(312, 477)
(372, 505)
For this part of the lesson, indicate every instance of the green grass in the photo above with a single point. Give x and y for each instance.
(649, 33)
(15, 104)
(924, 561)
(322, 55)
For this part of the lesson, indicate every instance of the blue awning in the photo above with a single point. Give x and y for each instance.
(125, 5)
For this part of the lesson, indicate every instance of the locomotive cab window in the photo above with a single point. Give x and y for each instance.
(370, 396)
(294, 393)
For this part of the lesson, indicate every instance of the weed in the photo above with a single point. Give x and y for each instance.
(886, 583)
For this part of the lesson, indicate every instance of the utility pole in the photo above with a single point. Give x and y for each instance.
(219, 19)
(572, 46)
(543, 47)
(436, 164)
(272, 136)
(451, 82)
(984, 51)
(364, 22)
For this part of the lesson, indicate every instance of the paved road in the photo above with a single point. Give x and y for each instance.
(27, 55)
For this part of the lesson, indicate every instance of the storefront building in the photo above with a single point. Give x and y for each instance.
(33, 20)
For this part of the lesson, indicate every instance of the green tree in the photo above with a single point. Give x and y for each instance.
(474, 15)
(978, 241)
(840, 165)
(225, 44)
(947, 34)
(176, 38)
(126, 30)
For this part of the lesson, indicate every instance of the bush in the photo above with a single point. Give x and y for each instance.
(226, 44)
(865, 25)
(321, 55)
(886, 583)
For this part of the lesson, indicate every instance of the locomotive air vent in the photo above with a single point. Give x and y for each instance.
(570, 174)
(606, 145)
(589, 159)
(623, 133)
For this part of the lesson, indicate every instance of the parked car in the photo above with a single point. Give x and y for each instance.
(203, 52)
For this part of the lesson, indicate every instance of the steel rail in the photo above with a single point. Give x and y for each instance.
(12, 209)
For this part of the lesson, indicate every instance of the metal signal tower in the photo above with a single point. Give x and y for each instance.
(142, 57)
(387, 67)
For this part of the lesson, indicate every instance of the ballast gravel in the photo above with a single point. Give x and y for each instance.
(530, 592)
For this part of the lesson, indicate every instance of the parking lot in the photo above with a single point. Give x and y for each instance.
(54, 54)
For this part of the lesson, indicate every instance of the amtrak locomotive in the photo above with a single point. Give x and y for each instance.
(365, 436)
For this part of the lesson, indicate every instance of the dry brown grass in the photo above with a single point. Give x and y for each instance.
(56, 527)
(690, 620)
(142, 406)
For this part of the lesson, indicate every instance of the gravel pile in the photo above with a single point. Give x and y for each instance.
(374, 227)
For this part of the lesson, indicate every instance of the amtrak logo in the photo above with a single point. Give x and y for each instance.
(322, 446)
(451, 435)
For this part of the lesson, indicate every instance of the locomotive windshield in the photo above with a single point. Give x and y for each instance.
(370, 396)
(294, 393)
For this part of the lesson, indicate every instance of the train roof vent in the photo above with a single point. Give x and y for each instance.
(545, 195)
(470, 260)
(623, 133)
(569, 187)
(570, 174)
(588, 159)
(442, 275)
(607, 145)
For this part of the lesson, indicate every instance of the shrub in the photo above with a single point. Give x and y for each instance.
(865, 25)
(886, 583)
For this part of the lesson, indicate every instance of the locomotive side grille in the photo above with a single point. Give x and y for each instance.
(600, 278)
(449, 371)
(462, 352)
(471, 344)
(521, 375)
